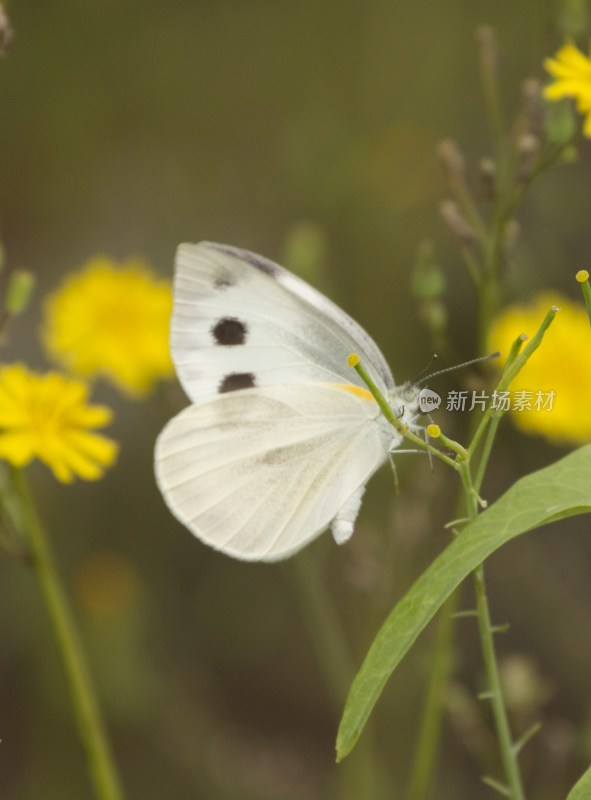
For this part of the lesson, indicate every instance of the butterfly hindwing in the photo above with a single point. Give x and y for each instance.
(241, 321)
(258, 473)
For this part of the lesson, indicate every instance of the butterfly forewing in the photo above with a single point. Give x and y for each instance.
(240, 321)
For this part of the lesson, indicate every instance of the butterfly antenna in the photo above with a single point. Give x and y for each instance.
(459, 366)
(433, 358)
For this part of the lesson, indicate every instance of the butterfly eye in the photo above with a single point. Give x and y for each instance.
(229, 331)
(408, 394)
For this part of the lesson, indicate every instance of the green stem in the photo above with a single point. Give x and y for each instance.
(551, 155)
(490, 80)
(586, 289)
(472, 264)
(428, 737)
(90, 724)
(487, 450)
(508, 752)
(488, 304)
(512, 367)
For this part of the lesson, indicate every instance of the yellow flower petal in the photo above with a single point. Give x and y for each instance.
(569, 61)
(73, 462)
(572, 70)
(52, 424)
(112, 321)
(101, 450)
(571, 87)
(18, 448)
(562, 364)
(92, 416)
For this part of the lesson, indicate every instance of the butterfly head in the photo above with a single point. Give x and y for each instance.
(404, 402)
(410, 401)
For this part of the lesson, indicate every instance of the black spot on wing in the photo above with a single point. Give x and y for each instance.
(235, 381)
(224, 280)
(229, 331)
(262, 264)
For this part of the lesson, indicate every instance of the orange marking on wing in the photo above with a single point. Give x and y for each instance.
(363, 394)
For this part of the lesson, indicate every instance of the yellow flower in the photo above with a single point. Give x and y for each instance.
(561, 365)
(46, 417)
(112, 321)
(572, 70)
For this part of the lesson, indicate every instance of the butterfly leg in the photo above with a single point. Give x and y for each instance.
(428, 446)
(394, 473)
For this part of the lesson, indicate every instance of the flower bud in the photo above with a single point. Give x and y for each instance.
(453, 160)
(488, 178)
(534, 109)
(528, 147)
(20, 288)
(454, 220)
(489, 50)
(6, 33)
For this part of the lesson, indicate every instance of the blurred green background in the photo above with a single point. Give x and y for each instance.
(128, 127)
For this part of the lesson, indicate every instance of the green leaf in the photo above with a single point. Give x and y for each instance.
(582, 788)
(560, 490)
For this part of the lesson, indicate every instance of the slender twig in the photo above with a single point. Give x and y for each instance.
(90, 724)
(506, 746)
(583, 278)
(511, 369)
(486, 451)
(548, 157)
(489, 67)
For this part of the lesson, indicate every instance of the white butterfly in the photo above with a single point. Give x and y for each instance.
(283, 434)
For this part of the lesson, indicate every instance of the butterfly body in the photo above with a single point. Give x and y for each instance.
(282, 435)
